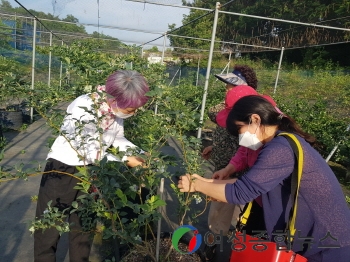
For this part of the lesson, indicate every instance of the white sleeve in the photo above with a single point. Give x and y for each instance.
(111, 157)
(84, 139)
(121, 142)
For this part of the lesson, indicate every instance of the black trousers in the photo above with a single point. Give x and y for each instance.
(60, 190)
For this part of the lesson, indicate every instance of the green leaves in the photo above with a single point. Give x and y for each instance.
(121, 195)
(52, 217)
(155, 202)
(75, 204)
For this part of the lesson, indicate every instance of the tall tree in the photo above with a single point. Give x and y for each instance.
(195, 27)
(269, 33)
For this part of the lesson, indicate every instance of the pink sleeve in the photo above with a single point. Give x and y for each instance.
(239, 160)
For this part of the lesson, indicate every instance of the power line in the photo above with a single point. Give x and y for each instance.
(210, 11)
(286, 21)
(224, 42)
(294, 28)
(37, 19)
(88, 24)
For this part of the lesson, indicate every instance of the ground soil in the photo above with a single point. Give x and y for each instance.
(139, 255)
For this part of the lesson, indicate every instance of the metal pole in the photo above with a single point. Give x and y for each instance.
(229, 61)
(180, 75)
(209, 67)
(174, 77)
(98, 18)
(15, 31)
(336, 147)
(278, 70)
(142, 52)
(199, 59)
(33, 66)
(156, 109)
(164, 42)
(61, 67)
(50, 57)
(161, 190)
(226, 67)
(161, 62)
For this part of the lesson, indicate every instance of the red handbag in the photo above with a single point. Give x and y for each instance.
(246, 248)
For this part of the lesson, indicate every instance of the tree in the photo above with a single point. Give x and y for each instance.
(195, 25)
(109, 41)
(154, 49)
(5, 5)
(269, 33)
(71, 18)
(53, 26)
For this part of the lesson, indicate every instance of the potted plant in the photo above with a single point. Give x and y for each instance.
(12, 94)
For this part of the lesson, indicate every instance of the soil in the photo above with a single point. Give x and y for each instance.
(139, 254)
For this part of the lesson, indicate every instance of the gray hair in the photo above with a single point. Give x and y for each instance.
(128, 88)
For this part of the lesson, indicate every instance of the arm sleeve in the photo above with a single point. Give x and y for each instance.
(274, 164)
(240, 159)
(213, 111)
(123, 143)
(79, 128)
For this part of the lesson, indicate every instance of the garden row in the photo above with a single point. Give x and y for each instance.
(317, 103)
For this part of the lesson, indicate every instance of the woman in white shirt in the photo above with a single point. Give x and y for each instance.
(93, 123)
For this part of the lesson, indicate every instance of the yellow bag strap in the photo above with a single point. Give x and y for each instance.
(298, 151)
(244, 217)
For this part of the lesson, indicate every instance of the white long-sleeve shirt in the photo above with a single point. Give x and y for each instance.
(86, 140)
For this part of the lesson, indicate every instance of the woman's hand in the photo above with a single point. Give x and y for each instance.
(206, 152)
(221, 174)
(187, 182)
(209, 187)
(135, 161)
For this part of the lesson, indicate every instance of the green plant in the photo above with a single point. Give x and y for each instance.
(23, 127)
(178, 107)
(347, 198)
(34, 198)
(13, 79)
(3, 142)
(118, 190)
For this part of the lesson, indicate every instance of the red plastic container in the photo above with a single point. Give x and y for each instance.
(246, 248)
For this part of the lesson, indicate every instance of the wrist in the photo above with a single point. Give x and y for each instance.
(230, 169)
(195, 183)
(226, 171)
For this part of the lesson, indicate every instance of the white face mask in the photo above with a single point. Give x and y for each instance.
(249, 140)
(122, 115)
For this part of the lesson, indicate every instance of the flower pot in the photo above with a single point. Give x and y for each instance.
(11, 119)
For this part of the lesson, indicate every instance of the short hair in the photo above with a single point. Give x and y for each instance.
(249, 74)
(128, 88)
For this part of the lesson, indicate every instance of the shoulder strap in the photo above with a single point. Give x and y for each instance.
(295, 179)
(295, 183)
(246, 213)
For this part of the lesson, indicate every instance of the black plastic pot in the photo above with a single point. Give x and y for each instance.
(11, 119)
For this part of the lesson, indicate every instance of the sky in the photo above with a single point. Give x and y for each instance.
(150, 18)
